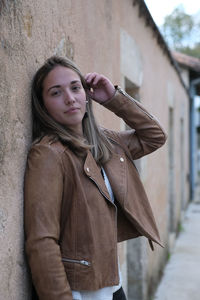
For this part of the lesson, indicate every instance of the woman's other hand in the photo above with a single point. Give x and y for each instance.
(101, 88)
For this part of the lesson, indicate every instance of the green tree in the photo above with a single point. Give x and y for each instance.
(194, 51)
(182, 32)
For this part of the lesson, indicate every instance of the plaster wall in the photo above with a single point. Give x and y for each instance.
(88, 32)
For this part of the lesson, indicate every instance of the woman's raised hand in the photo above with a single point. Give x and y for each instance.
(101, 88)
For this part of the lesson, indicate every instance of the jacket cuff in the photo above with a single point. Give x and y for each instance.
(117, 89)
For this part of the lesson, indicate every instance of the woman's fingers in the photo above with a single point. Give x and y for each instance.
(102, 88)
(93, 78)
(89, 77)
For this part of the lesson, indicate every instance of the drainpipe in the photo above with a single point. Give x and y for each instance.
(193, 149)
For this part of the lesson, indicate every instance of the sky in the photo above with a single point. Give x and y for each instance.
(160, 8)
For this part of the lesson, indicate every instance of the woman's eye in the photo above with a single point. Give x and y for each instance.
(76, 88)
(55, 93)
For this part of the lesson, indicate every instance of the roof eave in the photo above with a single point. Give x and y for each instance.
(144, 12)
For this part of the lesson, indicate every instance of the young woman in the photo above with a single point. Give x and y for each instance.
(83, 193)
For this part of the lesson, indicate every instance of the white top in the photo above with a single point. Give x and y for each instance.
(105, 293)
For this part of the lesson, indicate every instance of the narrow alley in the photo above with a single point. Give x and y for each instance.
(181, 279)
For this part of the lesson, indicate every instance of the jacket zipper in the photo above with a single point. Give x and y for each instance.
(85, 262)
(81, 262)
(135, 101)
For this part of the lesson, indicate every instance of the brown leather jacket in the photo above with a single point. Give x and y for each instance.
(72, 227)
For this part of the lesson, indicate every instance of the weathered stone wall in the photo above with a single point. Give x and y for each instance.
(15, 128)
(90, 32)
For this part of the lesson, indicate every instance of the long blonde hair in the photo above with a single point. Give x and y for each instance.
(44, 124)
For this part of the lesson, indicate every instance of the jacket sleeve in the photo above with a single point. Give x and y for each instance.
(146, 134)
(43, 195)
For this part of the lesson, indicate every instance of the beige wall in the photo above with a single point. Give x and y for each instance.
(90, 32)
(160, 86)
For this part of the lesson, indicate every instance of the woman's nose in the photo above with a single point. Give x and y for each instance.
(69, 97)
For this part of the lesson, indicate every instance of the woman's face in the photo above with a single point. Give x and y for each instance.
(65, 98)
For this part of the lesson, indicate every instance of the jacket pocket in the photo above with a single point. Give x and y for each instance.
(76, 261)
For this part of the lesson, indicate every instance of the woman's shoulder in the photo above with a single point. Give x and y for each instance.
(112, 135)
(46, 148)
(45, 156)
(119, 139)
(48, 142)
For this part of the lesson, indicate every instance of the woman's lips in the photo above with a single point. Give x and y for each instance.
(72, 110)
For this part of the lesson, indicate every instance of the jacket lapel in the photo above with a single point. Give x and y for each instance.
(115, 169)
(92, 171)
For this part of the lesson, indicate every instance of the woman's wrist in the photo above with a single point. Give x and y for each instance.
(113, 95)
